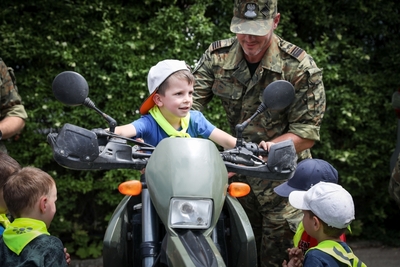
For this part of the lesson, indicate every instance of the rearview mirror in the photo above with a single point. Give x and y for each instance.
(70, 88)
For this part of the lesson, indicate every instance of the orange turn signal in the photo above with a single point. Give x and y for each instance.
(130, 188)
(238, 189)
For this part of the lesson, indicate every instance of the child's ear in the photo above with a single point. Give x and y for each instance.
(43, 204)
(157, 99)
(316, 223)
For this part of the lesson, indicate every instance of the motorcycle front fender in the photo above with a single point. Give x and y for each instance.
(244, 251)
(192, 249)
(116, 243)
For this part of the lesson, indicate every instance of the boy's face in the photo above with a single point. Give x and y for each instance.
(178, 98)
(309, 222)
(51, 199)
(3, 206)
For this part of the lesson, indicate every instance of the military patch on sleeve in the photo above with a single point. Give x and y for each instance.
(292, 49)
(221, 43)
(297, 52)
(215, 45)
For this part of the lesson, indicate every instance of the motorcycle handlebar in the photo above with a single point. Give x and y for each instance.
(81, 149)
(281, 163)
(256, 150)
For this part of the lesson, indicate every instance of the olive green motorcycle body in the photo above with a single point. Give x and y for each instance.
(182, 172)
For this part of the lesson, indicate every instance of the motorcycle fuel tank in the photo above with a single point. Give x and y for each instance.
(186, 168)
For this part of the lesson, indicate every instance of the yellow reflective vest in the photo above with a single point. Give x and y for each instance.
(336, 250)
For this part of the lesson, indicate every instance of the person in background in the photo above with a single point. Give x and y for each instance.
(308, 173)
(394, 182)
(30, 195)
(8, 166)
(237, 70)
(328, 210)
(12, 111)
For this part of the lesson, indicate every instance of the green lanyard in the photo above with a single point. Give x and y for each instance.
(167, 127)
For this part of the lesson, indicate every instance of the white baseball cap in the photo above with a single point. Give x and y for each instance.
(328, 201)
(157, 75)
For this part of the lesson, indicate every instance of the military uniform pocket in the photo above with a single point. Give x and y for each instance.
(226, 87)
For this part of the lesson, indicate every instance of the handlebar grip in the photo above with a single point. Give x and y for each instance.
(236, 160)
(256, 150)
(100, 132)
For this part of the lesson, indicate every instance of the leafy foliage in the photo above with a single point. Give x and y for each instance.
(114, 43)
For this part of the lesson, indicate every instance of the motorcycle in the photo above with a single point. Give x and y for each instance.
(183, 211)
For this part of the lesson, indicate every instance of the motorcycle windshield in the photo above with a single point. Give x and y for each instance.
(186, 168)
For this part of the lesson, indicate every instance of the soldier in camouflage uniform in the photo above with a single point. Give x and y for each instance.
(394, 183)
(237, 70)
(12, 112)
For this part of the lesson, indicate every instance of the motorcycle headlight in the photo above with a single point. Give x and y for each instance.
(190, 213)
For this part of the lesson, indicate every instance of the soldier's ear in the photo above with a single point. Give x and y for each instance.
(277, 18)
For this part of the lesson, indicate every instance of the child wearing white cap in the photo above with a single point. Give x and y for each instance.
(167, 111)
(308, 173)
(328, 209)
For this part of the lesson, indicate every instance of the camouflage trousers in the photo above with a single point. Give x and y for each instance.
(273, 219)
(394, 183)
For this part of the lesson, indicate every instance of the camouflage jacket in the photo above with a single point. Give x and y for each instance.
(394, 183)
(10, 99)
(223, 71)
(11, 105)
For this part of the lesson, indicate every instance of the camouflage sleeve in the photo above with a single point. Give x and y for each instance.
(11, 103)
(394, 183)
(204, 79)
(308, 108)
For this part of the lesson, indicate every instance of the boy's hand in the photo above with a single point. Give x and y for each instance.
(67, 256)
(141, 140)
(295, 252)
(295, 258)
(295, 262)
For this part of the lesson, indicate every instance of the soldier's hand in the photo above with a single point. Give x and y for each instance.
(266, 146)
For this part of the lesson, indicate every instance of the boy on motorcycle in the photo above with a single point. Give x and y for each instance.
(167, 111)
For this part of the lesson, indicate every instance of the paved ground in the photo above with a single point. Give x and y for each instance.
(87, 263)
(371, 253)
(376, 255)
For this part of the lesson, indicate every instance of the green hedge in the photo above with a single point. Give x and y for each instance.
(114, 43)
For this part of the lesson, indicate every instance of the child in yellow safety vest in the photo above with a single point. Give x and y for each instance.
(8, 166)
(328, 209)
(308, 173)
